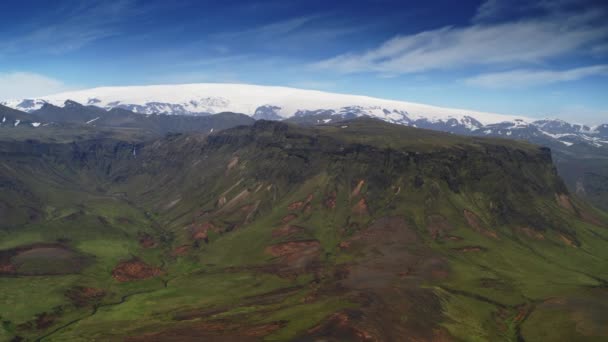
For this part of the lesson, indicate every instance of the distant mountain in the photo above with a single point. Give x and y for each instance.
(262, 102)
(581, 151)
(13, 118)
(278, 103)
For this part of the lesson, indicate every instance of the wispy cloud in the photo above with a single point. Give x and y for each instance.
(527, 77)
(81, 23)
(525, 41)
(18, 85)
(298, 32)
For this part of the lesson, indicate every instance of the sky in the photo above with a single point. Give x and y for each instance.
(546, 58)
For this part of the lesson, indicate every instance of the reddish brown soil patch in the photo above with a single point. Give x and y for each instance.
(295, 205)
(286, 231)
(339, 326)
(7, 268)
(470, 249)
(531, 233)
(330, 201)
(82, 296)
(361, 207)
(564, 201)
(358, 188)
(437, 226)
(344, 245)
(476, 224)
(181, 250)
(300, 204)
(211, 331)
(146, 241)
(289, 218)
(134, 269)
(590, 218)
(568, 240)
(391, 263)
(295, 257)
(453, 238)
(201, 231)
(294, 250)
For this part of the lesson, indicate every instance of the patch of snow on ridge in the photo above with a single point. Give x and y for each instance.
(205, 98)
(93, 120)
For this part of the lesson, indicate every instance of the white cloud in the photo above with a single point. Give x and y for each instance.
(18, 85)
(527, 78)
(530, 41)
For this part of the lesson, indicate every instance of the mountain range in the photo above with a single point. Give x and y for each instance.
(580, 151)
(278, 103)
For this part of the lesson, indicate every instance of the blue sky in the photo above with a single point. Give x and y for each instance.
(543, 58)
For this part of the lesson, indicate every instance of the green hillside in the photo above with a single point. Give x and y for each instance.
(358, 231)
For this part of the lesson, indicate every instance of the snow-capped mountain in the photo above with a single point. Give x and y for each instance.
(278, 103)
(260, 101)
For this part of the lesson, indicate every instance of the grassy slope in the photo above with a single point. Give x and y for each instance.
(499, 292)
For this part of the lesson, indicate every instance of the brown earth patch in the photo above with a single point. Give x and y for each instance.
(531, 233)
(339, 326)
(392, 263)
(82, 296)
(300, 204)
(358, 188)
(219, 330)
(361, 207)
(295, 257)
(330, 201)
(201, 231)
(453, 238)
(286, 231)
(568, 240)
(564, 201)
(134, 269)
(591, 218)
(7, 268)
(295, 205)
(344, 245)
(181, 250)
(475, 223)
(470, 249)
(289, 218)
(232, 163)
(146, 241)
